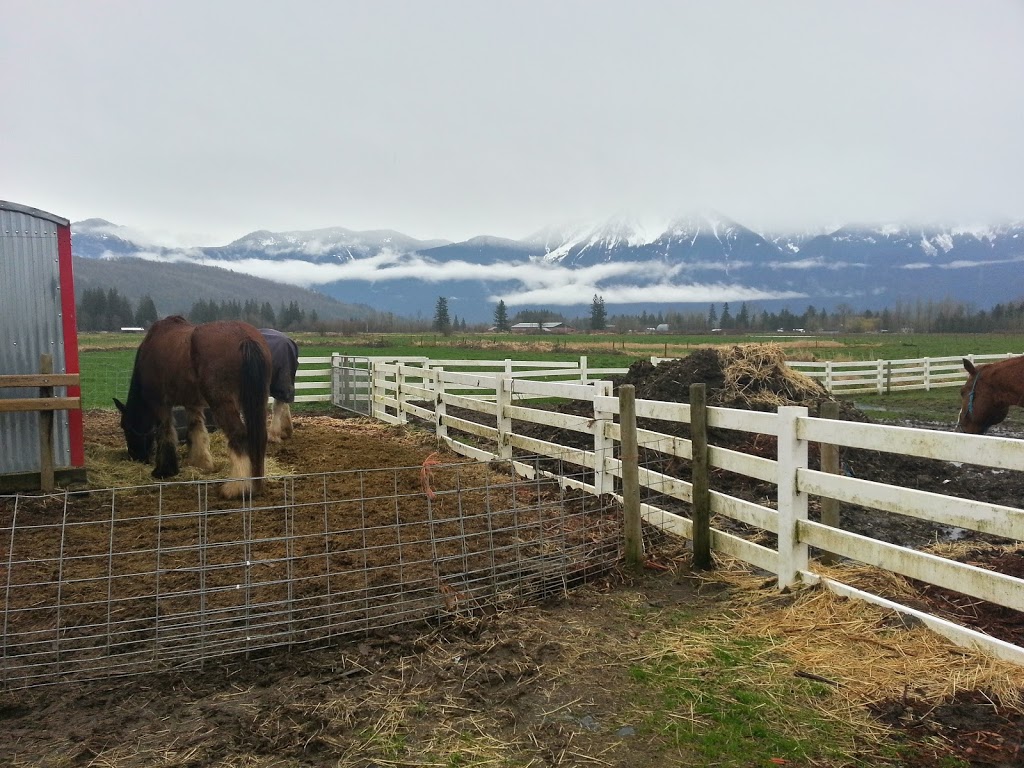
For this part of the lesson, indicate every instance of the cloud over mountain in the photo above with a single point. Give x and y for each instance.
(695, 260)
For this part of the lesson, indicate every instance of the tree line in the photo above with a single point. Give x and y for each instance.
(107, 310)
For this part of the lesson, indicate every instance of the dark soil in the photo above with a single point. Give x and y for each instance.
(969, 727)
(549, 682)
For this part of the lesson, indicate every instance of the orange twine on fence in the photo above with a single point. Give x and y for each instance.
(426, 471)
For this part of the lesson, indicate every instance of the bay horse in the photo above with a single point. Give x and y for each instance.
(224, 365)
(284, 361)
(990, 390)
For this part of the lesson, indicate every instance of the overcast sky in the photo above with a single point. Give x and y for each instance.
(202, 121)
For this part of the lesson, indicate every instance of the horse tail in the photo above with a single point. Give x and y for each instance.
(255, 386)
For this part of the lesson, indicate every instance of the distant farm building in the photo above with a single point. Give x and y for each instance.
(37, 292)
(555, 328)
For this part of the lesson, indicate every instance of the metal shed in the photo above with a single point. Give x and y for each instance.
(37, 318)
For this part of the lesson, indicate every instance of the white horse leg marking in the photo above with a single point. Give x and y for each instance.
(199, 455)
(280, 422)
(241, 467)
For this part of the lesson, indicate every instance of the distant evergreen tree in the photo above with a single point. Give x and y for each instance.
(145, 314)
(743, 318)
(267, 317)
(598, 314)
(442, 321)
(712, 317)
(501, 322)
(726, 321)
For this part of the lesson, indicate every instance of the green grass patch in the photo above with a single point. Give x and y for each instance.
(107, 358)
(734, 702)
(936, 406)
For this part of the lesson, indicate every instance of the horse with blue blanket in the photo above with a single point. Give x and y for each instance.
(284, 358)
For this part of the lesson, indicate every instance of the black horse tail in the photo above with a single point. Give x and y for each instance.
(255, 389)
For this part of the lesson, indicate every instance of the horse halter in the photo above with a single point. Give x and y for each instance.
(970, 395)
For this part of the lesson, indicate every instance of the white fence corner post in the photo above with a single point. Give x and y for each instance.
(792, 457)
(583, 369)
(335, 379)
(503, 397)
(440, 408)
(604, 445)
(375, 408)
(403, 417)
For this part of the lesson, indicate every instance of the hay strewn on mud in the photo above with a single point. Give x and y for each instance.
(108, 466)
(869, 654)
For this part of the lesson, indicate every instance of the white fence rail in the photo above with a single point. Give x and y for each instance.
(884, 376)
(493, 403)
(317, 376)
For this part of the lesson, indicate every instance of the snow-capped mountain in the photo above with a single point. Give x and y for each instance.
(696, 259)
(331, 245)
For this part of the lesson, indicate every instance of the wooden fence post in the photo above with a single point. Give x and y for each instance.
(634, 540)
(502, 397)
(829, 463)
(792, 457)
(46, 473)
(375, 376)
(440, 407)
(701, 478)
(604, 481)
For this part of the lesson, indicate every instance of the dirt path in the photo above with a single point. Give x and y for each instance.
(557, 683)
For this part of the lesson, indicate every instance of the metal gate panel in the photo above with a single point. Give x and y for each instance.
(351, 384)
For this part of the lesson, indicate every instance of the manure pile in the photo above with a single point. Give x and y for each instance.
(753, 377)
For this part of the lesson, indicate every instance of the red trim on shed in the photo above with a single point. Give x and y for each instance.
(69, 325)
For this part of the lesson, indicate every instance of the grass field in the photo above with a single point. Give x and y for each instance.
(106, 358)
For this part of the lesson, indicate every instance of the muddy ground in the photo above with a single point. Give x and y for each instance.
(544, 684)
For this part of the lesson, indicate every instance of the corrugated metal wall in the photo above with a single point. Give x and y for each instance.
(30, 325)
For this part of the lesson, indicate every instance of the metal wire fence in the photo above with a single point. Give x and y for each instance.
(125, 581)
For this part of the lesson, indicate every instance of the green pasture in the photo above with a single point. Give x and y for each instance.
(106, 358)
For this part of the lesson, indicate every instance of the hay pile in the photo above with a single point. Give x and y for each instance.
(751, 376)
(867, 654)
(108, 466)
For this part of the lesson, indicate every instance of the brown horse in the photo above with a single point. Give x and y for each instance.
(225, 365)
(988, 394)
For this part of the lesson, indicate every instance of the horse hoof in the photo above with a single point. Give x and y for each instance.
(234, 489)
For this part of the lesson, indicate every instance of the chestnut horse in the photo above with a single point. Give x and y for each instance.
(224, 365)
(988, 394)
(284, 359)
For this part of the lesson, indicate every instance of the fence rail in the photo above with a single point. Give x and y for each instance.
(838, 377)
(885, 376)
(477, 415)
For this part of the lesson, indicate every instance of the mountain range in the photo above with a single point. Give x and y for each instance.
(684, 264)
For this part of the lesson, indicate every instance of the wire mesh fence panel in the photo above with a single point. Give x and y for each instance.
(125, 581)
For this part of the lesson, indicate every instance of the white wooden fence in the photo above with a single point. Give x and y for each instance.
(319, 381)
(885, 376)
(497, 400)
